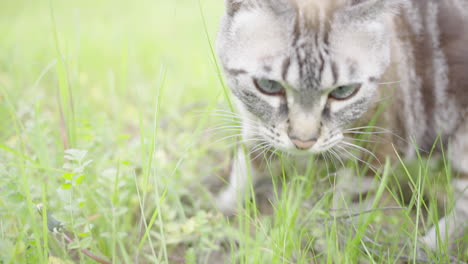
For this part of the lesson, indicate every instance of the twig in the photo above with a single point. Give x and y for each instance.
(55, 226)
(348, 216)
(85, 251)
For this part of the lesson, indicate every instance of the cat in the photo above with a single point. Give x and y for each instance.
(303, 72)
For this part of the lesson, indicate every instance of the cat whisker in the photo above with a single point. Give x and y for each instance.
(250, 139)
(326, 161)
(361, 140)
(329, 176)
(224, 111)
(331, 157)
(228, 128)
(361, 149)
(226, 138)
(384, 99)
(366, 133)
(221, 110)
(384, 83)
(368, 127)
(244, 141)
(263, 151)
(271, 150)
(354, 137)
(337, 156)
(273, 153)
(239, 124)
(382, 131)
(208, 113)
(356, 158)
(258, 147)
(228, 113)
(235, 123)
(229, 116)
(221, 132)
(259, 140)
(236, 120)
(356, 130)
(223, 129)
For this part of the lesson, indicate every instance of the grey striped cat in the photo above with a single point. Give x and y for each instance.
(305, 72)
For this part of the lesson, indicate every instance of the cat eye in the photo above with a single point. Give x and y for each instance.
(269, 87)
(345, 92)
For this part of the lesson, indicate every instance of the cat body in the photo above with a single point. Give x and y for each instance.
(305, 72)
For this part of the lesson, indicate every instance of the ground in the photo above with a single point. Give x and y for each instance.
(108, 152)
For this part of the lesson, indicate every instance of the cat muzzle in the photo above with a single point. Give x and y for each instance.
(304, 145)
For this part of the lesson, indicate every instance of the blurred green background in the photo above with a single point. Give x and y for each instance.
(105, 44)
(127, 85)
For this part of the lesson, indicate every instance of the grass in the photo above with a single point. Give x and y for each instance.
(105, 108)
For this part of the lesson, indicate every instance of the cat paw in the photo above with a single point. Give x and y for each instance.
(226, 203)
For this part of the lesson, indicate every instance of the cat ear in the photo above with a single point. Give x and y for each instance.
(365, 23)
(232, 6)
(362, 10)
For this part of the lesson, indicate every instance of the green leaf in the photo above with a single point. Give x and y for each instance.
(74, 245)
(68, 176)
(75, 154)
(84, 234)
(79, 179)
(86, 242)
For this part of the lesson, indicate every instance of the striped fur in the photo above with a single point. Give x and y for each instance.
(410, 55)
(432, 66)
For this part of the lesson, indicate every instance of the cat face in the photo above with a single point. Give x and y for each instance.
(304, 70)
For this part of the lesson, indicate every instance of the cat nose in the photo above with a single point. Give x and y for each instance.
(303, 144)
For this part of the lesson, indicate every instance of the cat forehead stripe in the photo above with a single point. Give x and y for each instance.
(285, 68)
(235, 72)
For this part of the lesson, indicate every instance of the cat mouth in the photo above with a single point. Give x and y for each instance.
(318, 148)
(301, 152)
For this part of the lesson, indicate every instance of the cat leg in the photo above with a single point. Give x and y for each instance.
(457, 220)
(245, 172)
(228, 198)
